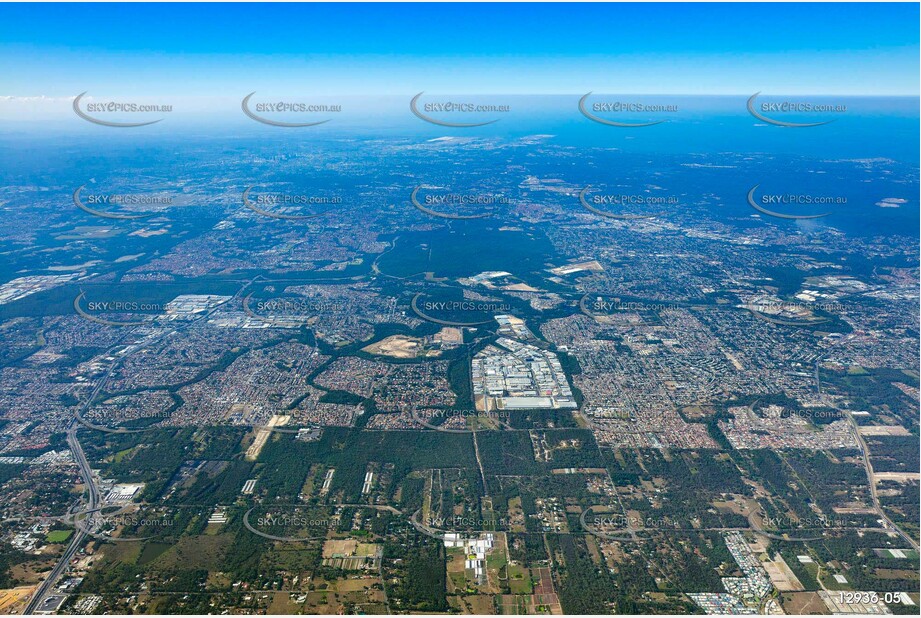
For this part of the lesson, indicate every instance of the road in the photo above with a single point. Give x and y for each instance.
(79, 535)
(92, 491)
(92, 502)
(871, 477)
(871, 480)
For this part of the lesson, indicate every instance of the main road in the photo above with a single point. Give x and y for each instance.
(871, 479)
(92, 491)
(76, 540)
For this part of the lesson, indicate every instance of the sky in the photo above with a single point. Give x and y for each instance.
(201, 50)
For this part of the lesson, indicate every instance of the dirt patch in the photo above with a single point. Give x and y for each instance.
(799, 603)
(12, 599)
(400, 346)
(781, 576)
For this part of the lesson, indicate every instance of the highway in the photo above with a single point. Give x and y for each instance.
(79, 535)
(92, 491)
(871, 479)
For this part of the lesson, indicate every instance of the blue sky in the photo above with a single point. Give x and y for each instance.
(208, 49)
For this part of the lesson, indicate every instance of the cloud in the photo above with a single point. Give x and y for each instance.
(37, 99)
